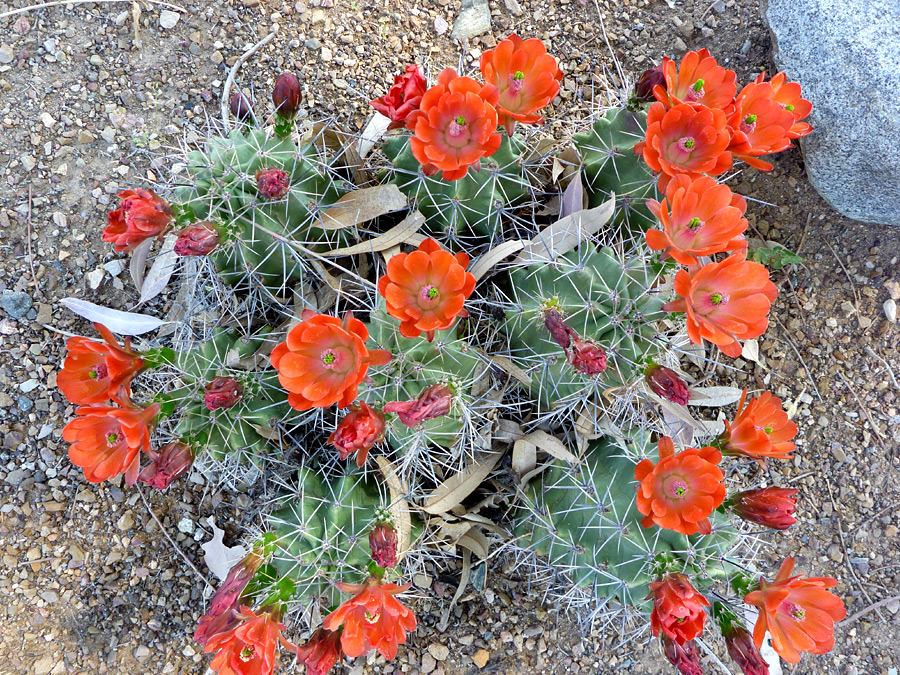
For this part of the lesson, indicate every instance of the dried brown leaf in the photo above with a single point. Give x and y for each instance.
(459, 486)
(363, 205)
(393, 237)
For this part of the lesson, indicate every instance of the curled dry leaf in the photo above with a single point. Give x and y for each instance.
(395, 236)
(486, 262)
(524, 457)
(158, 277)
(573, 197)
(551, 445)
(399, 507)
(218, 557)
(750, 351)
(363, 205)
(565, 234)
(459, 486)
(123, 323)
(714, 397)
(138, 264)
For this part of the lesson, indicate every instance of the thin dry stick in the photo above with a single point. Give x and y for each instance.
(863, 408)
(871, 608)
(28, 242)
(226, 91)
(42, 5)
(890, 370)
(171, 541)
(800, 358)
(849, 278)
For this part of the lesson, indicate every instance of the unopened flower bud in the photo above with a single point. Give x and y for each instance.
(587, 357)
(559, 331)
(273, 183)
(685, 658)
(199, 238)
(383, 544)
(222, 616)
(744, 651)
(358, 432)
(166, 465)
(222, 392)
(286, 95)
(434, 401)
(665, 382)
(241, 107)
(772, 507)
(643, 88)
(321, 652)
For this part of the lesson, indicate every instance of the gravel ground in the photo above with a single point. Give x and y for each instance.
(89, 97)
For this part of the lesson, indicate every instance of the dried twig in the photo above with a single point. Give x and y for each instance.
(56, 3)
(800, 358)
(887, 366)
(871, 608)
(28, 243)
(863, 408)
(226, 90)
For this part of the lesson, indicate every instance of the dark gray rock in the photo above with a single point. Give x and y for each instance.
(844, 54)
(16, 303)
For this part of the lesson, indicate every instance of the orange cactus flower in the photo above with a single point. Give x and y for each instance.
(526, 75)
(699, 217)
(372, 619)
(426, 289)
(95, 372)
(798, 613)
(107, 441)
(141, 215)
(760, 125)
(324, 360)
(455, 125)
(685, 139)
(680, 491)
(698, 79)
(761, 430)
(248, 649)
(725, 302)
(677, 609)
(790, 96)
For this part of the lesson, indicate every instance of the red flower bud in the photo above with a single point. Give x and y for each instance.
(744, 651)
(383, 544)
(241, 107)
(222, 617)
(643, 88)
(666, 383)
(403, 98)
(559, 331)
(273, 183)
(587, 357)
(685, 658)
(199, 238)
(222, 392)
(434, 401)
(770, 507)
(166, 465)
(321, 652)
(358, 432)
(286, 95)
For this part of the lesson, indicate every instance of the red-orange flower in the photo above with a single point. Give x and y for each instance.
(95, 372)
(685, 139)
(762, 429)
(725, 302)
(698, 79)
(526, 76)
(403, 98)
(248, 649)
(324, 360)
(372, 619)
(107, 441)
(455, 125)
(790, 96)
(677, 609)
(798, 613)
(760, 125)
(426, 289)
(141, 215)
(680, 491)
(699, 217)
(321, 652)
(358, 432)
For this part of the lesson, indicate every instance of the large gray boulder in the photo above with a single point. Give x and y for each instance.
(844, 53)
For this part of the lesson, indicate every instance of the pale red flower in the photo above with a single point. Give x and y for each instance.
(359, 431)
(699, 80)
(248, 649)
(433, 401)
(455, 125)
(678, 609)
(222, 392)
(761, 430)
(770, 507)
(666, 382)
(586, 357)
(141, 215)
(273, 183)
(680, 491)
(789, 96)
(526, 76)
(321, 652)
(685, 658)
(760, 125)
(426, 289)
(403, 98)
(200, 238)
(725, 302)
(743, 651)
(324, 360)
(95, 372)
(222, 615)
(798, 613)
(165, 466)
(383, 545)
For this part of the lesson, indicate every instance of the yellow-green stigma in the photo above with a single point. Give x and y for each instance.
(698, 85)
(694, 223)
(716, 298)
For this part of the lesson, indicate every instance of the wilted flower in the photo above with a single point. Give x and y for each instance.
(725, 302)
(743, 651)
(426, 289)
(359, 430)
(789, 96)
(372, 619)
(770, 507)
(249, 649)
(526, 76)
(760, 125)
(678, 608)
(273, 183)
(287, 95)
(95, 372)
(798, 613)
(559, 330)
(321, 652)
(680, 491)
(698, 80)
(760, 430)
(403, 98)
(165, 466)
(107, 441)
(200, 238)
(222, 392)
(241, 107)
(433, 401)
(665, 382)
(383, 545)
(141, 215)
(685, 658)
(455, 125)
(222, 616)
(587, 357)
(324, 360)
